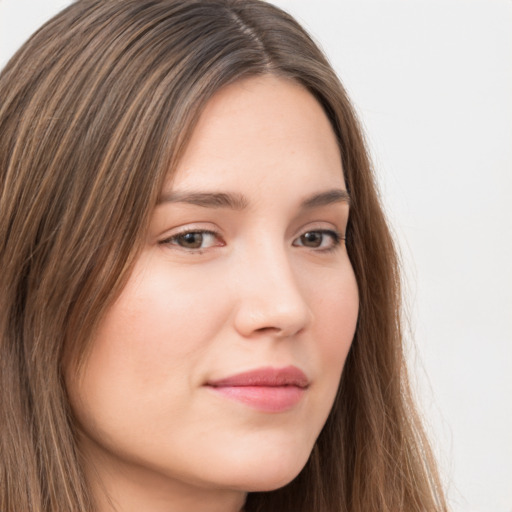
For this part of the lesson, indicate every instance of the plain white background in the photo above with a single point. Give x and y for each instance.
(432, 83)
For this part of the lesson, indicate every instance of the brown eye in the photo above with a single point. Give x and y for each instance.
(190, 240)
(323, 239)
(312, 239)
(193, 240)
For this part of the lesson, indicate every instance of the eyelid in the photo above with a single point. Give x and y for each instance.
(338, 227)
(191, 227)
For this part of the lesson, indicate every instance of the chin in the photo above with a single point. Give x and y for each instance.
(267, 473)
(266, 483)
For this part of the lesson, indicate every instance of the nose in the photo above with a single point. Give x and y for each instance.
(269, 297)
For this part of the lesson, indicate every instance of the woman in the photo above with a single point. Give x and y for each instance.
(190, 318)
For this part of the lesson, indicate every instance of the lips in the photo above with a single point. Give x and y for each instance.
(264, 389)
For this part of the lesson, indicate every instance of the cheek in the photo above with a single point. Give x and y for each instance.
(335, 313)
(159, 319)
(335, 303)
(338, 317)
(147, 347)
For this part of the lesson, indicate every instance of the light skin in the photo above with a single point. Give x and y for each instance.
(244, 267)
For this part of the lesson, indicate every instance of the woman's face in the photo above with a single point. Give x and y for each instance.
(215, 370)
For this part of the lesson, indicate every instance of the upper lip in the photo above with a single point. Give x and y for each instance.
(265, 377)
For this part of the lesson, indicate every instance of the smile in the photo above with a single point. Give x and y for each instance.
(266, 389)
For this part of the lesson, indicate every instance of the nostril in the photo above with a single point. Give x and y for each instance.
(283, 331)
(273, 330)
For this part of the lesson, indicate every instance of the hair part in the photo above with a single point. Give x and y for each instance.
(97, 110)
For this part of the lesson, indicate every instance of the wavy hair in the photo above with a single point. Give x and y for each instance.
(97, 108)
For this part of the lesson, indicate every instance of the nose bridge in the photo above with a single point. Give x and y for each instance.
(270, 296)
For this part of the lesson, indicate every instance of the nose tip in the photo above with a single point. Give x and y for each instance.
(272, 306)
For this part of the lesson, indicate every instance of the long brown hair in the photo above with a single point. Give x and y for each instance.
(96, 110)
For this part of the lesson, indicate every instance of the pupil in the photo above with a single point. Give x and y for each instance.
(312, 239)
(192, 240)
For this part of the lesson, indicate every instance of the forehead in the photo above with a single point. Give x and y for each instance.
(263, 131)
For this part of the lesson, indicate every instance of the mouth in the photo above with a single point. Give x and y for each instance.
(267, 389)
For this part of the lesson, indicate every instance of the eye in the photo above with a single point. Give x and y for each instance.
(322, 239)
(199, 239)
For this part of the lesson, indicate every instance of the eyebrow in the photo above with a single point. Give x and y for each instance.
(325, 198)
(233, 201)
(236, 201)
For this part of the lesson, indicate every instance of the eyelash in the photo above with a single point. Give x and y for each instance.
(335, 236)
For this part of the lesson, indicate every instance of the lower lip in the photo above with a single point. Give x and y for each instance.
(263, 398)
